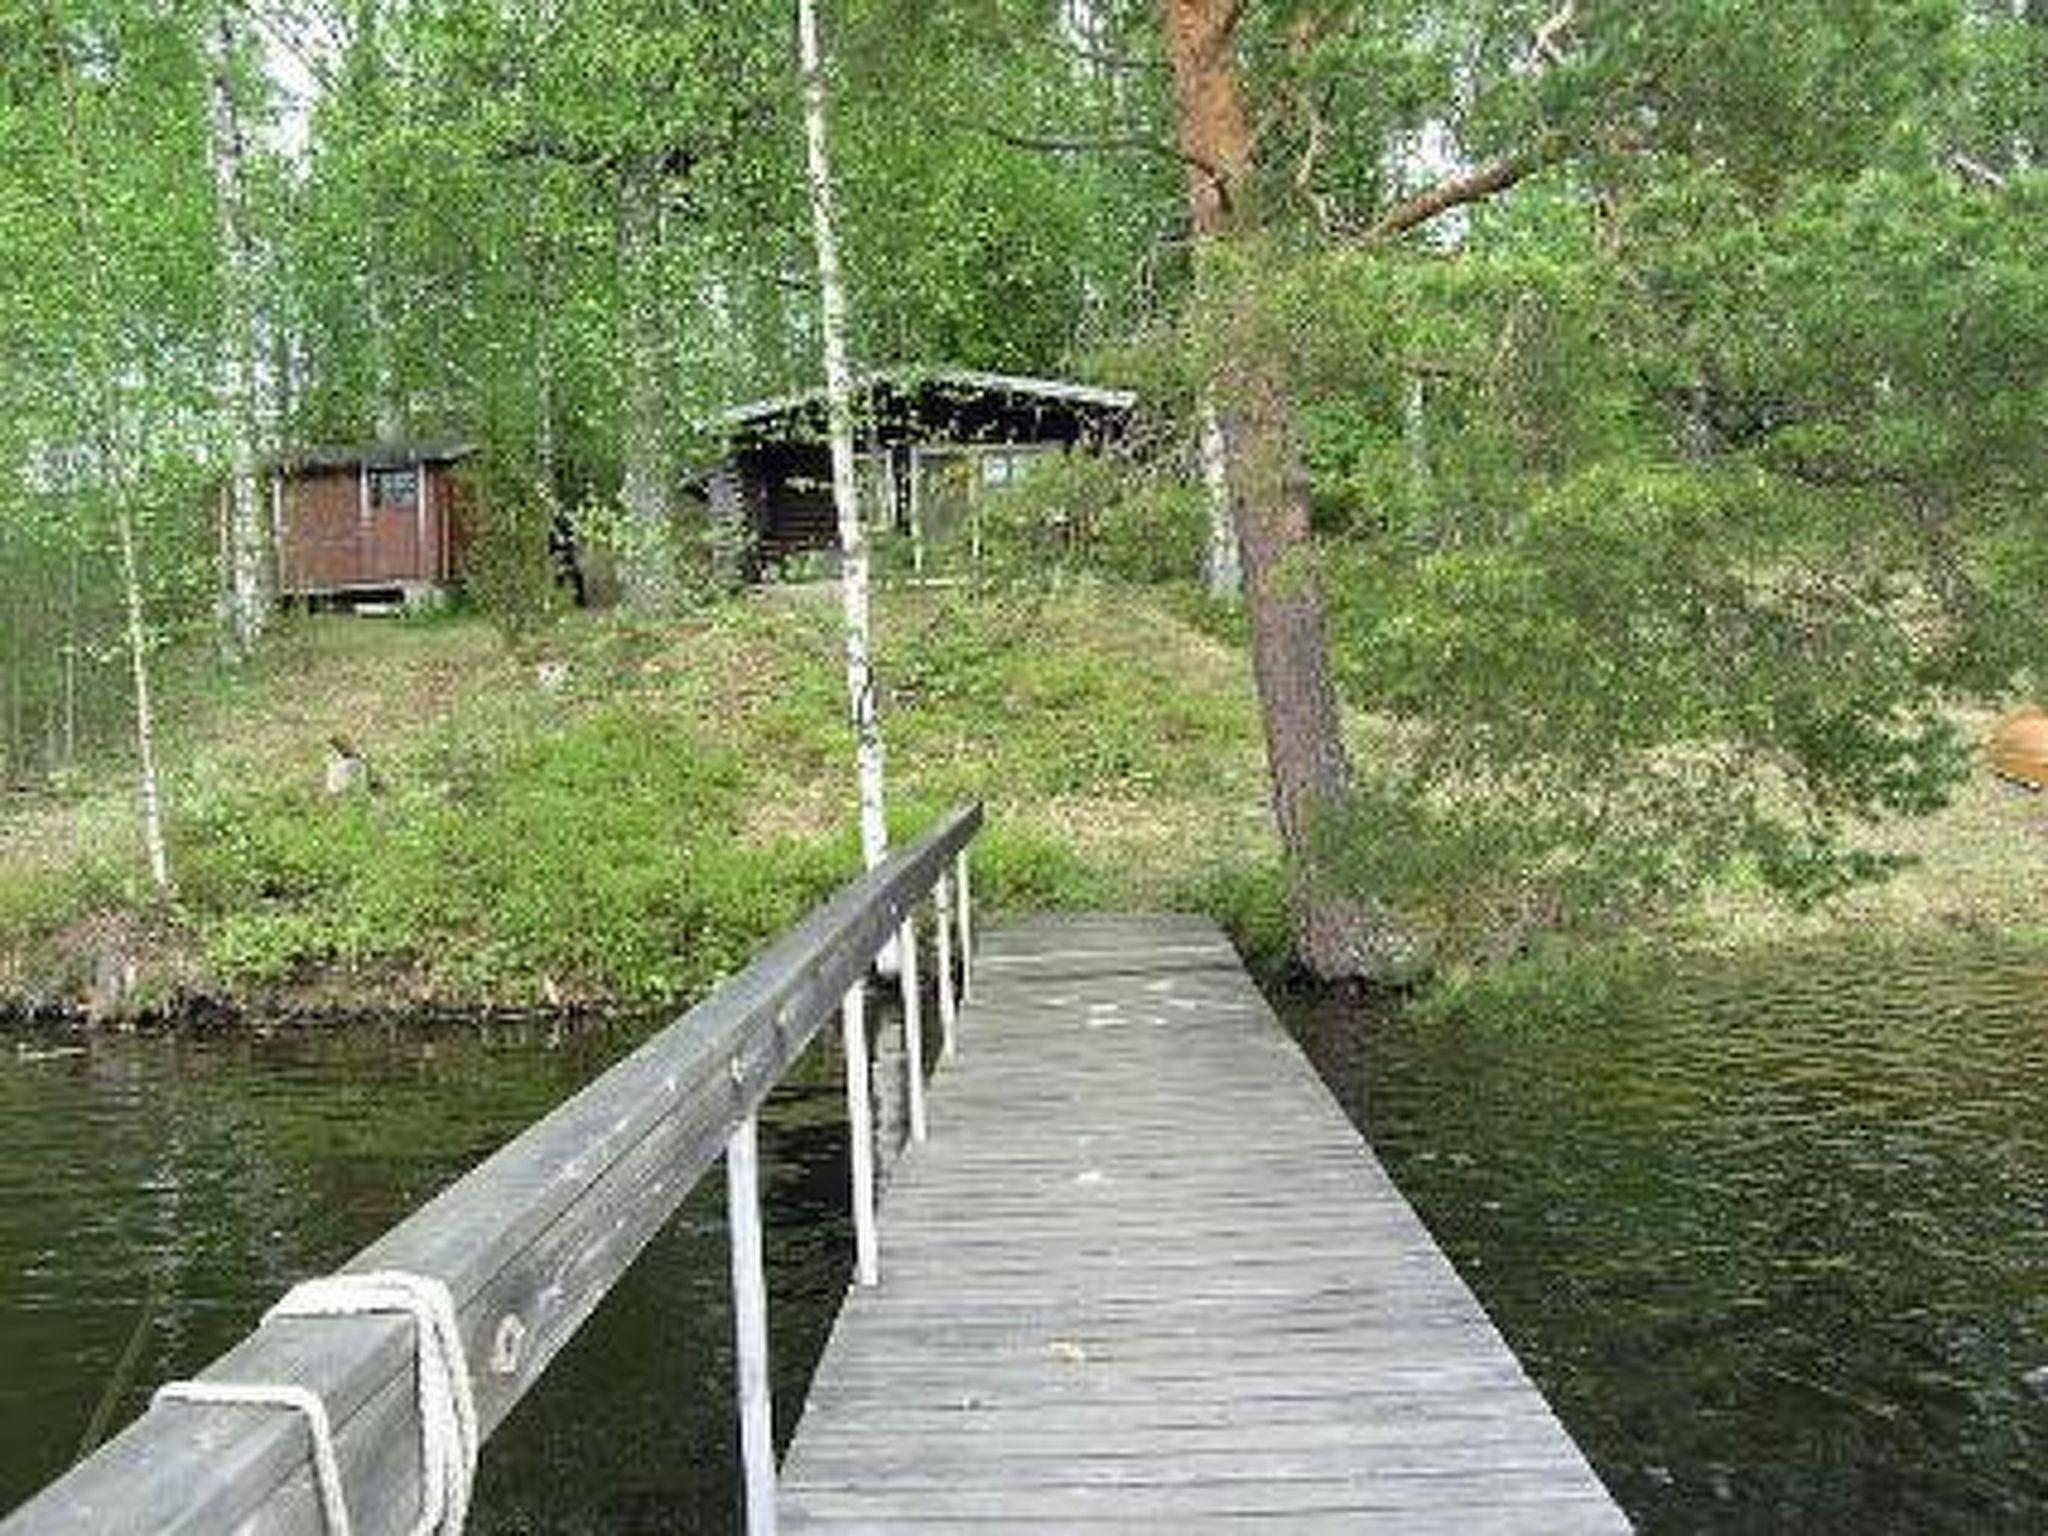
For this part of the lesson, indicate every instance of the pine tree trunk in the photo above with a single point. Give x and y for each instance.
(246, 595)
(647, 567)
(1337, 935)
(853, 543)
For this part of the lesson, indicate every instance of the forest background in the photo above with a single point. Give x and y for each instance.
(1634, 420)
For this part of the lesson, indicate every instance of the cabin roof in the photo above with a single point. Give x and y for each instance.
(908, 383)
(394, 454)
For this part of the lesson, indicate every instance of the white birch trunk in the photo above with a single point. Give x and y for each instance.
(1225, 568)
(1415, 434)
(546, 459)
(853, 544)
(150, 785)
(387, 410)
(245, 591)
(648, 564)
(114, 466)
(71, 642)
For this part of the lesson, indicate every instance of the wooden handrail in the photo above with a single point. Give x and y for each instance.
(528, 1243)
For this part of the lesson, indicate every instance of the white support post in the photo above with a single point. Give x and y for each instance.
(913, 1025)
(750, 1326)
(949, 1007)
(966, 901)
(278, 567)
(916, 499)
(420, 566)
(860, 1126)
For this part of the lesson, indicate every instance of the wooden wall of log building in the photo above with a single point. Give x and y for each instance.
(367, 526)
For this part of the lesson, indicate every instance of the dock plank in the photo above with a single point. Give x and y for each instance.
(1146, 1275)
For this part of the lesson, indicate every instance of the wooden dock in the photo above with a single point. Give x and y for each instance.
(1145, 1275)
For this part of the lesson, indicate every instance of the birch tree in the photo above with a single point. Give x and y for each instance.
(853, 544)
(246, 585)
(647, 491)
(110, 383)
(1223, 567)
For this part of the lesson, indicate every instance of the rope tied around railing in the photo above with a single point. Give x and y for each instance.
(577, 1173)
(447, 1409)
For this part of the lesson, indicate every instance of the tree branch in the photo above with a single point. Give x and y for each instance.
(1087, 144)
(1103, 58)
(1976, 170)
(1548, 47)
(1460, 191)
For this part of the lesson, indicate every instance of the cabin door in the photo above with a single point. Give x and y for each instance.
(394, 542)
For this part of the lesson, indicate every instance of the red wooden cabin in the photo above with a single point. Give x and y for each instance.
(383, 519)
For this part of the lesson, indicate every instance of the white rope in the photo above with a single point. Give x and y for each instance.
(226, 1394)
(447, 1409)
(448, 1426)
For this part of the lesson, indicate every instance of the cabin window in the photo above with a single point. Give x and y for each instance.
(1006, 466)
(394, 490)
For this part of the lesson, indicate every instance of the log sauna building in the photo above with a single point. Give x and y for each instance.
(927, 443)
(358, 524)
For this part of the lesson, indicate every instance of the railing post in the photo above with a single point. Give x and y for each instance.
(750, 1326)
(913, 1024)
(860, 1126)
(966, 925)
(949, 1007)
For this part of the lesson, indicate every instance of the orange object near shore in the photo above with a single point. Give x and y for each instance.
(2019, 748)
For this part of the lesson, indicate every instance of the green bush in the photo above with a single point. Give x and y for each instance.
(1250, 901)
(1017, 871)
(1089, 512)
(508, 569)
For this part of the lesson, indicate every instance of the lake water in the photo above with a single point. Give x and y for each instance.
(1773, 1234)
(156, 1194)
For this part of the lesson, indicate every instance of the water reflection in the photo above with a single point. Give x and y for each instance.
(156, 1194)
(1771, 1233)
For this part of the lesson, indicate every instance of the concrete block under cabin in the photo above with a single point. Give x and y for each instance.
(927, 441)
(373, 527)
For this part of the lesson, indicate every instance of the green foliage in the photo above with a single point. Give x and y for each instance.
(508, 566)
(1665, 528)
(651, 825)
(1064, 696)
(1250, 900)
(1025, 871)
(967, 242)
(1669, 502)
(36, 903)
(108, 323)
(600, 856)
(1087, 512)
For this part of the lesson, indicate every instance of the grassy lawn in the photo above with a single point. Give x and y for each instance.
(1981, 865)
(641, 830)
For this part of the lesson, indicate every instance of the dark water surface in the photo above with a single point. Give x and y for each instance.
(1771, 1234)
(157, 1193)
